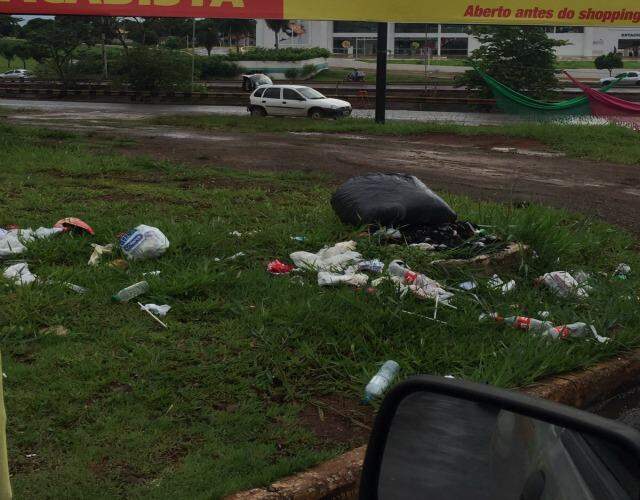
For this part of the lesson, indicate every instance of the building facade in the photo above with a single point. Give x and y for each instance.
(358, 39)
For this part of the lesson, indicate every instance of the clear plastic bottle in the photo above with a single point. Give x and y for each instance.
(381, 380)
(126, 294)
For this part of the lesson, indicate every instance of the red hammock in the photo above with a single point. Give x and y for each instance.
(608, 106)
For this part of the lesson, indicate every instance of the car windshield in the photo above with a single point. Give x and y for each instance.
(309, 93)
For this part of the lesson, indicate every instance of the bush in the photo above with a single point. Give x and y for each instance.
(174, 43)
(289, 54)
(292, 73)
(307, 70)
(609, 61)
(155, 69)
(216, 67)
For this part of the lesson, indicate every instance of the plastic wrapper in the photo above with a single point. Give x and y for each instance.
(277, 267)
(19, 273)
(144, 242)
(326, 278)
(563, 284)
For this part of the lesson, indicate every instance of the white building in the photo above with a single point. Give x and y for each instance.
(446, 40)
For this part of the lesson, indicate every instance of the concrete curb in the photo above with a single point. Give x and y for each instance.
(339, 477)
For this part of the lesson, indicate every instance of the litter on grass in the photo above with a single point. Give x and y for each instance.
(546, 328)
(277, 267)
(622, 271)
(148, 311)
(327, 278)
(131, 292)
(74, 224)
(336, 258)
(496, 283)
(98, 252)
(231, 257)
(158, 310)
(468, 286)
(381, 381)
(12, 240)
(19, 273)
(563, 284)
(422, 286)
(144, 242)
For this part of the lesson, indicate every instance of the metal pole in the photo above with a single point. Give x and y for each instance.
(193, 54)
(381, 73)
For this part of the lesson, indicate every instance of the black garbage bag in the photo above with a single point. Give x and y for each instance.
(390, 200)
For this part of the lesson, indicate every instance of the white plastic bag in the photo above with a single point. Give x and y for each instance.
(158, 310)
(144, 242)
(20, 274)
(563, 284)
(355, 279)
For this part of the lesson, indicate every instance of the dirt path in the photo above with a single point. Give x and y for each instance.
(460, 165)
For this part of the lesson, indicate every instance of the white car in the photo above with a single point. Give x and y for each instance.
(16, 74)
(295, 100)
(630, 78)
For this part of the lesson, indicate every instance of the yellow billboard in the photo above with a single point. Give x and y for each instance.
(550, 12)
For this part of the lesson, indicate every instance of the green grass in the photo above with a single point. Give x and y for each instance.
(433, 62)
(120, 407)
(396, 77)
(605, 143)
(16, 64)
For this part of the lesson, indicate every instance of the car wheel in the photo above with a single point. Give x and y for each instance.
(258, 111)
(316, 114)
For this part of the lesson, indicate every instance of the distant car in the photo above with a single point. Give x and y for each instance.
(295, 100)
(252, 82)
(630, 78)
(16, 74)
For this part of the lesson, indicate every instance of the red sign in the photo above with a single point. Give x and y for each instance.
(238, 9)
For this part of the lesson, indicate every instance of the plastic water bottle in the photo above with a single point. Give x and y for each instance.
(381, 380)
(126, 294)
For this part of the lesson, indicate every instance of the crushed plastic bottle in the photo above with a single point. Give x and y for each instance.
(381, 380)
(126, 294)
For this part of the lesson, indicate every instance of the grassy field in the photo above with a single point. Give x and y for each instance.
(16, 64)
(407, 77)
(116, 406)
(607, 143)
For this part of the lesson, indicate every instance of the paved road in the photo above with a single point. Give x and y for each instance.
(69, 110)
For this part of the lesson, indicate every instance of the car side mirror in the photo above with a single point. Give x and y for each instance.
(437, 438)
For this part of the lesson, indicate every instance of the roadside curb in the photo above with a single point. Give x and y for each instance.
(339, 477)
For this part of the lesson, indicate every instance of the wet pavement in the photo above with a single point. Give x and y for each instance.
(624, 407)
(72, 110)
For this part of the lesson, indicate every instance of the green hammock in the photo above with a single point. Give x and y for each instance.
(513, 102)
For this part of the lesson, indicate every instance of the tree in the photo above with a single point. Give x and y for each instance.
(154, 69)
(105, 29)
(8, 49)
(277, 25)
(57, 39)
(23, 52)
(235, 29)
(8, 25)
(612, 60)
(521, 57)
(207, 34)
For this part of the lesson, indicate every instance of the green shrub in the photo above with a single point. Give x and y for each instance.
(307, 70)
(216, 67)
(292, 73)
(289, 54)
(145, 68)
(174, 43)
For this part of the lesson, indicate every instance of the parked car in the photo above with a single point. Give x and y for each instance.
(629, 78)
(252, 82)
(16, 74)
(295, 100)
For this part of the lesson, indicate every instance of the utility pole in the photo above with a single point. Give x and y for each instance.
(381, 74)
(193, 55)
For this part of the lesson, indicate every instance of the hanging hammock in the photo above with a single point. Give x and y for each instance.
(513, 102)
(608, 106)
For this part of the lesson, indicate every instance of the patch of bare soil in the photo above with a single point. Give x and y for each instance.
(338, 420)
(456, 164)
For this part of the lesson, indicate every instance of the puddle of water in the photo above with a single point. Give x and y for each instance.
(527, 152)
